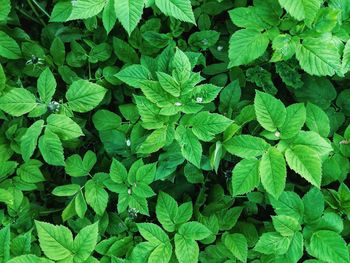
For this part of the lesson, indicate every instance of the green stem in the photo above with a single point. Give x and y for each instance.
(35, 12)
(41, 9)
(28, 16)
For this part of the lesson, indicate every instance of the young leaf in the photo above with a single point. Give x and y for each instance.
(273, 172)
(246, 146)
(5, 239)
(83, 96)
(30, 139)
(180, 9)
(96, 196)
(64, 127)
(154, 142)
(286, 225)
(55, 241)
(302, 9)
(166, 211)
(270, 112)
(129, 13)
(109, 16)
(272, 243)
(329, 246)
(85, 242)
(153, 233)
(46, 85)
(51, 149)
(245, 176)
(194, 230)
(9, 47)
(83, 9)
(305, 161)
(317, 120)
(295, 119)
(17, 101)
(246, 45)
(186, 250)
(237, 244)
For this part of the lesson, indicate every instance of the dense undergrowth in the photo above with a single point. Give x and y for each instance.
(212, 131)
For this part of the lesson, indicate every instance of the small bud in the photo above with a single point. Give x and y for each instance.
(199, 99)
(128, 142)
(53, 106)
(219, 48)
(129, 191)
(344, 142)
(74, 2)
(205, 41)
(277, 134)
(178, 104)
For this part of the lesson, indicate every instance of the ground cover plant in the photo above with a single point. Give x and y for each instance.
(155, 131)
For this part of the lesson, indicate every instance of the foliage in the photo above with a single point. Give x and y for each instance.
(149, 131)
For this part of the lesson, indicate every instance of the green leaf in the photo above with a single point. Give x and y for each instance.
(286, 225)
(5, 239)
(295, 119)
(318, 56)
(124, 51)
(273, 172)
(154, 142)
(180, 9)
(191, 148)
(328, 246)
(169, 84)
(302, 9)
(66, 190)
(245, 176)
(5, 9)
(96, 196)
(64, 127)
(84, 9)
(106, 120)
(30, 139)
(77, 167)
(117, 172)
(186, 250)
(29, 259)
(270, 112)
(246, 45)
(272, 243)
(246, 146)
(61, 11)
(134, 75)
(109, 16)
(153, 233)
(194, 230)
(289, 204)
(166, 211)
(306, 162)
(162, 253)
(9, 47)
(55, 241)
(317, 120)
(129, 13)
(314, 204)
(46, 85)
(206, 125)
(85, 242)
(51, 149)
(17, 101)
(83, 96)
(237, 244)
(30, 172)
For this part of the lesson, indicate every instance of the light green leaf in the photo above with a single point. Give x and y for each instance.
(96, 196)
(270, 112)
(61, 11)
(246, 45)
(29, 259)
(245, 176)
(295, 119)
(109, 16)
(9, 47)
(289, 204)
(302, 9)
(286, 225)
(329, 246)
(134, 75)
(317, 120)
(186, 250)
(246, 146)
(5, 9)
(46, 85)
(64, 127)
(180, 9)
(191, 148)
(318, 56)
(306, 162)
(346, 58)
(118, 172)
(106, 120)
(51, 149)
(247, 17)
(77, 167)
(273, 172)
(5, 239)
(85, 242)
(55, 241)
(66, 190)
(194, 230)
(83, 9)
(17, 101)
(162, 253)
(314, 204)
(169, 84)
(206, 125)
(272, 243)
(237, 244)
(153, 233)
(30, 139)
(30, 172)
(154, 142)
(129, 13)
(166, 211)
(83, 96)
